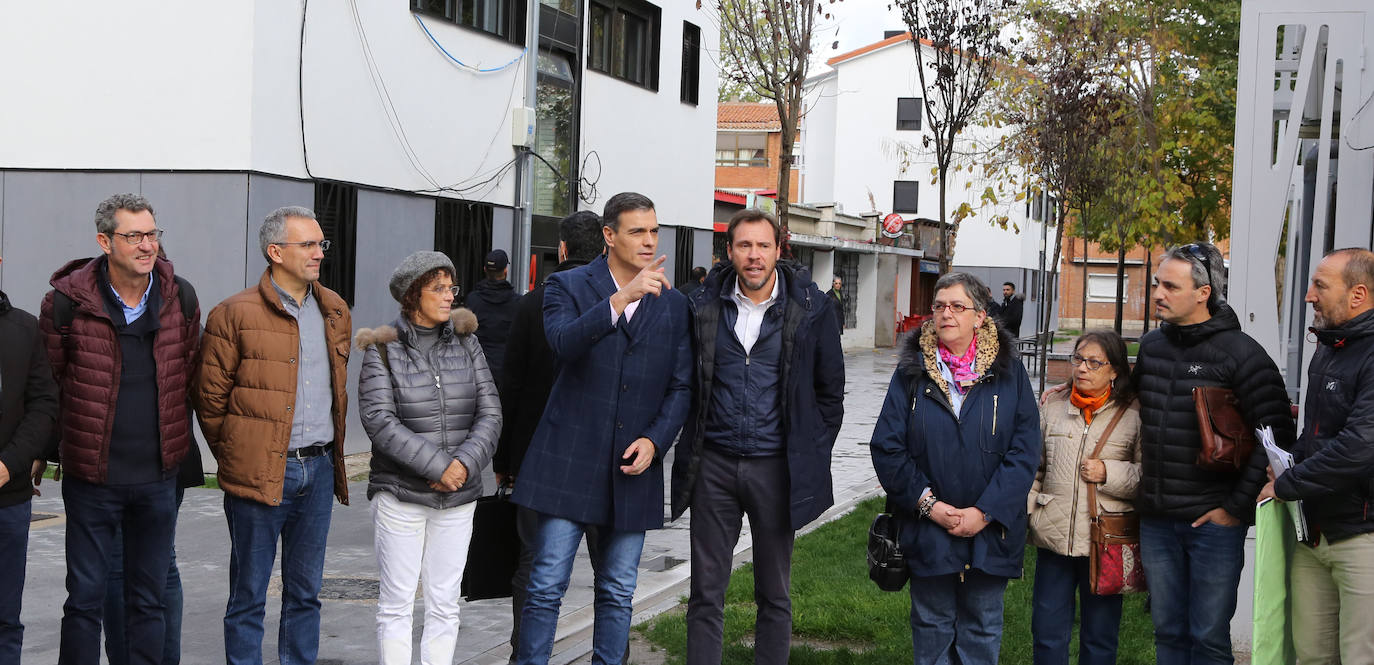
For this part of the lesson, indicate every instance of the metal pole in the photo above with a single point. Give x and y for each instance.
(524, 166)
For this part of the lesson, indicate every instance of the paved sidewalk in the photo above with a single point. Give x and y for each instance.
(348, 623)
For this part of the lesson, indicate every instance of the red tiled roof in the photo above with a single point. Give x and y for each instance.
(895, 39)
(748, 115)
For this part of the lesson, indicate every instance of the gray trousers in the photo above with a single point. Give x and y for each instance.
(727, 488)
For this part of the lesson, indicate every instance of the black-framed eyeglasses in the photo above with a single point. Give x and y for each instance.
(1197, 252)
(1092, 363)
(308, 245)
(441, 290)
(137, 237)
(956, 307)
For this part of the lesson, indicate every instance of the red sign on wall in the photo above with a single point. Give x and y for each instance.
(892, 225)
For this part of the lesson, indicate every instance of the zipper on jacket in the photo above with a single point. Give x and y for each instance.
(1077, 480)
(994, 415)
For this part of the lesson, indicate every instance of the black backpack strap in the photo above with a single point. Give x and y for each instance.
(187, 295)
(63, 311)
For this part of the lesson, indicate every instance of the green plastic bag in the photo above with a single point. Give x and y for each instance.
(1272, 641)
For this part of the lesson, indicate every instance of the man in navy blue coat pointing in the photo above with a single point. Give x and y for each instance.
(619, 332)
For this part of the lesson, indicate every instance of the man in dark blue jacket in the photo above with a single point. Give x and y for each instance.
(767, 403)
(619, 332)
(1332, 578)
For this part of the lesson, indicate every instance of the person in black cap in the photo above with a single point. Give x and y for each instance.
(493, 300)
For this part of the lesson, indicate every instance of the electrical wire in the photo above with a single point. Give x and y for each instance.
(460, 63)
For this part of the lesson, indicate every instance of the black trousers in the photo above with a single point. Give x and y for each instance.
(727, 489)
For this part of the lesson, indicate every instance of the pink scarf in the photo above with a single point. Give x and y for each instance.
(961, 367)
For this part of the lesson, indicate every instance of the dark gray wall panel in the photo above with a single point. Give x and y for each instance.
(701, 248)
(390, 228)
(265, 194)
(667, 246)
(204, 216)
(49, 219)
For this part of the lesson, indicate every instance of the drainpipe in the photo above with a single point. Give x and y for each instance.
(524, 165)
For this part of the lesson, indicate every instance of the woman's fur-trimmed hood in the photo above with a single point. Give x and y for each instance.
(462, 321)
(996, 350)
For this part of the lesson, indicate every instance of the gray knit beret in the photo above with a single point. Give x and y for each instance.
(415, 265)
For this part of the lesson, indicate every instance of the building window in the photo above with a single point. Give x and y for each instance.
(336, 209)
(553, 136)
(909, 112)
(905, 196)
(691, 63)
(741, 149)
(624, 40)
(796, 155)
(502, 18)
(462, 231)
(1102, 288)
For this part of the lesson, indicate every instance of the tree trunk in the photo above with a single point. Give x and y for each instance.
(1051, 286)
(1120, 286)
(945, 258)
(1145, 311)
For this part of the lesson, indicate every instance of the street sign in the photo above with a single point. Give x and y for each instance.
(893, 225)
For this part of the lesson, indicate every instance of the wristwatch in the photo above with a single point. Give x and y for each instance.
(924, 506)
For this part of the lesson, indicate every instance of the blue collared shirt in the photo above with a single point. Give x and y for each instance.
(131, 314)
(312, 422)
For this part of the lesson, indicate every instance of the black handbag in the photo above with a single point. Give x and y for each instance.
(886, 565)
(494, 552)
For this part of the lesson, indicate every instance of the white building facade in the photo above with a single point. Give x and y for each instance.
(863, 150)
(404, 124)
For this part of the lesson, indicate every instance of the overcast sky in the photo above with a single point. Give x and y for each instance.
(856, 23)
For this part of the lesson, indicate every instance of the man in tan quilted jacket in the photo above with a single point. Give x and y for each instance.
(271, 395)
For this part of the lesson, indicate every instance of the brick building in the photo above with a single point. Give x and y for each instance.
(748, 147)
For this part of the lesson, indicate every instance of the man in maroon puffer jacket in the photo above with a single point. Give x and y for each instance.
(122, 351)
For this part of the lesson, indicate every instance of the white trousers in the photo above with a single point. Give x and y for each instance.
(417, 543)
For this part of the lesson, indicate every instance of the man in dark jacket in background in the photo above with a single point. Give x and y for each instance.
(530, 370)
(123, 361)
(28, 409)
(693, 282)
(1334, 475)
(493, 300)
(836, 296)
(1010, 310)
(1194, 519)
(767, 402)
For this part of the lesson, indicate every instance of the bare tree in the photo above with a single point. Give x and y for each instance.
(766, 49)
(958, 46)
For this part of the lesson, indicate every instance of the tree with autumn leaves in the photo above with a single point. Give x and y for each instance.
(1126, 112)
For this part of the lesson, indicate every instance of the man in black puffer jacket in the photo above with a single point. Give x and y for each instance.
(28, 412)
(1334, 475)
(1194, 521)
(767, 402)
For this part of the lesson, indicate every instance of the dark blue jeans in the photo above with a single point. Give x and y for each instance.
(1057, 578)
(616, 568)
(302, 524)
(14, 549)
(114, 605)
(147, 515)
(954, 621)
(1193, 575)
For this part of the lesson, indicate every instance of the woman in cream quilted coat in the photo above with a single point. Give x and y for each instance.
(1072, 422)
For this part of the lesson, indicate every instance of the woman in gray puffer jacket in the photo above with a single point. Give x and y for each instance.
(431, 410)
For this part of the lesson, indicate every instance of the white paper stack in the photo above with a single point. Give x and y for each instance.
(1281, 460)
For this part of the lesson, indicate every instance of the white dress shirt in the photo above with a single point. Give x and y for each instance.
(749, 319)
(629, 309)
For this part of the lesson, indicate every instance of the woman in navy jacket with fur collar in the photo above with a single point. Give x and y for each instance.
(956, 447)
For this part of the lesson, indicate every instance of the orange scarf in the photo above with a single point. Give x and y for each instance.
(1089, 404)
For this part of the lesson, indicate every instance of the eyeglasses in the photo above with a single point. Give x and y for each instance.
(1197, 252)
(308, 245)
(956, 307)
(441, 290)
(137, 237)
(1092, 363)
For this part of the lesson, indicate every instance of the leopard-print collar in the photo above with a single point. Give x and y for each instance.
(989, 343)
